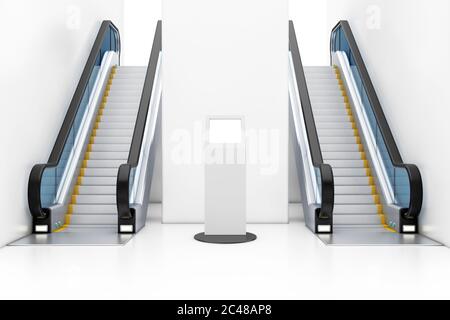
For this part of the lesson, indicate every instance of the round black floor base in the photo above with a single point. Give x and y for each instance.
(202, 237)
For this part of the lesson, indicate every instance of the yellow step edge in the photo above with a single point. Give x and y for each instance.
(366, 164)
(389, 229)
(76, 191)
(375, 194)
(374, 190)
(376, 199)
(64, 227)
(363, 155)
(68, 220)
(380, 209)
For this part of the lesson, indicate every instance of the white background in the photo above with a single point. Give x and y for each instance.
(310, 17)
(41, 61)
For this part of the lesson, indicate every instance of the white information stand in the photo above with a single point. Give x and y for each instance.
(225, 182)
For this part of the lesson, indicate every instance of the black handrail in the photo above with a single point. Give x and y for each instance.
(126, 214)
(35, 179)
(415, 178)
(326, 171)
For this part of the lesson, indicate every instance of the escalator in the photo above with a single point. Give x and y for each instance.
(357, 200)
(95, 187)
(93, 200)
(366, 195)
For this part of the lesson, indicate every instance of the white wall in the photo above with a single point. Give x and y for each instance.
(140, 18)
(45, 45)
(310, 20)
(139, 24)
(309, 16)
(229, 58)
(406, 46)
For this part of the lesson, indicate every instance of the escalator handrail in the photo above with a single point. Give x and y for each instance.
(326, 171)
(123, 176)
(35, 178)
(415, 179)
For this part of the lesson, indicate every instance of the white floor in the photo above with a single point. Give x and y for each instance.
(163, 261)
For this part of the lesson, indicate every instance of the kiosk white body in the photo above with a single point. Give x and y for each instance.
(225, 177)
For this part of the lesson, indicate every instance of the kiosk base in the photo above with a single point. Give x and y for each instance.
(224, 239)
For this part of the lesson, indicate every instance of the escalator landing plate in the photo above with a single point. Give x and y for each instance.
(89, 237)
(375, 238)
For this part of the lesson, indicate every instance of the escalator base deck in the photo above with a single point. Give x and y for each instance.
(374, 238)
(108, 237)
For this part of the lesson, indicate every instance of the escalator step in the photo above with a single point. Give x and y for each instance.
(95, 199)
(104, 163)
(96, 190)
(97, 181)
(108, 155)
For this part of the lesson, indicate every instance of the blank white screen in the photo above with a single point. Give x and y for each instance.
(225, 131)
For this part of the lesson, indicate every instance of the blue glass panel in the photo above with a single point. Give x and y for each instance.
(319, 184)
(402, 189)
(131, 181)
